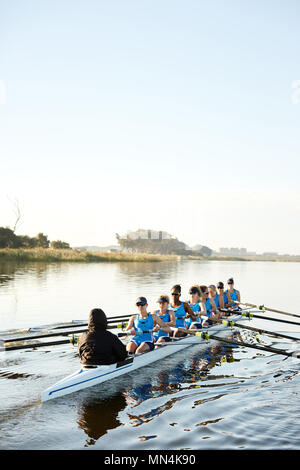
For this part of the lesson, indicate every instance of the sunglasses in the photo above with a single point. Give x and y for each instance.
(175, 293)
(193, 291)
(140, 304)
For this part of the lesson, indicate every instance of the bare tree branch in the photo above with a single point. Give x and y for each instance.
(17, 212)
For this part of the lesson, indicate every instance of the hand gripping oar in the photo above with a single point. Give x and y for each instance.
(127, 333)
(262, 307)
(205, 335)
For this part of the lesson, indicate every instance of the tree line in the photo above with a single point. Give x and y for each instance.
(8, 239)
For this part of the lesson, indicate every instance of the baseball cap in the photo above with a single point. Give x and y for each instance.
(141, 300)
(163, 298)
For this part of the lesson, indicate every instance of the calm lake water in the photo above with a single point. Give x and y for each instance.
(216, 397)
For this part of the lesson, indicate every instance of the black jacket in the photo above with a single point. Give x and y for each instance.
(99, 346)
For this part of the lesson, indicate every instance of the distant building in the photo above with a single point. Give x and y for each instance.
(233, 251)
(142, 234)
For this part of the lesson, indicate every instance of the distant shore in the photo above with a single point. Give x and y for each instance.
(291, 259)
(73, 255)
(51, 255)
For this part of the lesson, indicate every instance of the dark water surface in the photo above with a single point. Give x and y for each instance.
(205, 397)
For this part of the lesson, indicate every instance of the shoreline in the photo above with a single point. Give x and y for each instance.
(77, 256)
(50, 255)
(279, 259)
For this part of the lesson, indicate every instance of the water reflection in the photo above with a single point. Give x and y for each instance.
(188, 372)
(143, 272)
(97, 416)
(9, 271)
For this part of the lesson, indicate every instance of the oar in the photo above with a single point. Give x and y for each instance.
(74, 324)
(262, 307)
(109, 320)
(64, 333)
(203, 335)
(39, 345)
(127, 333)
(252, 328)
(252, 315)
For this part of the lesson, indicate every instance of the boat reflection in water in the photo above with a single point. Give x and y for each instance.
(97, 416)
(99, 408)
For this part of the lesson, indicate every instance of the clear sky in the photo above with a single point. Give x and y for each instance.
(181, 116)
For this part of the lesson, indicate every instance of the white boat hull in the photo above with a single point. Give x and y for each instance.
(87, 377)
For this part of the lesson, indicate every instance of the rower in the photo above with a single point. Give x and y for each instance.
(211, 309)
(167, 316)
(220, 290)
(98, 346)
(213, 295)
(141, 328)
(198, 308)
(182, 310)
(231, 295)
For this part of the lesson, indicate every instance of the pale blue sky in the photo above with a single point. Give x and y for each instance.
(172, 115)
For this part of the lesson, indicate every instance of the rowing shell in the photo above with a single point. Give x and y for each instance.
(89, 376)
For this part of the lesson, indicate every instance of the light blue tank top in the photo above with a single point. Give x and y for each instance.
(208, 308)
(179, 313)
(196, 308)
(165, 318)
(216, 299)
(233, 296)
(144, 324)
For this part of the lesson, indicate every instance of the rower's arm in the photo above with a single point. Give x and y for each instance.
(189, 311)
(130, 323)
(238, 295)
(164, 326)
(213, 305)
(229, 300)
(215, 311)
(221, 301)
(203, 310)
(172, 321)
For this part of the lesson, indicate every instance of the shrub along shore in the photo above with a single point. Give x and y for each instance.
(60, 255)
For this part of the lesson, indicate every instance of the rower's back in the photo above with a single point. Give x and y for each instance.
(97, 346)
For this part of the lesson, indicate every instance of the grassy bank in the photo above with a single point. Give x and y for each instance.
(51, 255)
